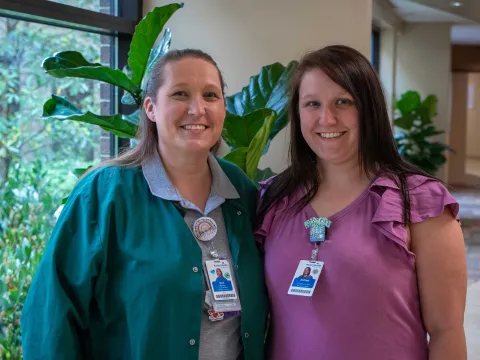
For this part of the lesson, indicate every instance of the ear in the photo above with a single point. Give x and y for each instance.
(149, 107)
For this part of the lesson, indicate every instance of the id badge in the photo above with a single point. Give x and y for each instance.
(305, 278)
(223, 293)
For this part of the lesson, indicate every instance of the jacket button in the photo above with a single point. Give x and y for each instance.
(239, 212)
(192, 342)
(235, 266)
(195, 269)
(247, 335)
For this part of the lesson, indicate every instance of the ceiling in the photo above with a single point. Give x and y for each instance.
(465, 18)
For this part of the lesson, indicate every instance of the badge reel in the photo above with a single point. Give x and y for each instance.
(222, 294)
(308, 271)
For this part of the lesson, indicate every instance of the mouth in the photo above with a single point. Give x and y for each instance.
(331, 135)
(195, 127)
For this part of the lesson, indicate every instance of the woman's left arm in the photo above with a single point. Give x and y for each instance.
(442, 278)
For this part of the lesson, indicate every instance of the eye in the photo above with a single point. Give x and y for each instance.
(179, 93)
(211, 95)
(312, 104)
(344, 102)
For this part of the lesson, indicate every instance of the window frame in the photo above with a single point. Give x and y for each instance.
(120, 26)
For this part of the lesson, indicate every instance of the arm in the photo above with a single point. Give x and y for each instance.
(55, 316)
(441, 270)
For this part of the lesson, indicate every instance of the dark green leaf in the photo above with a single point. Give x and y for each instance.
(156, 54)
(269, 89)
(257, 145)
(238, 131)
(264, 174)
(238, 157)
(79, 172)
(73, 64)
(61, 109)
(408, 102)
(146, 33)
(405, 122)
(430, 103)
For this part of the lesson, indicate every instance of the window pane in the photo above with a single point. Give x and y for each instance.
(38, 155)
(103, 6)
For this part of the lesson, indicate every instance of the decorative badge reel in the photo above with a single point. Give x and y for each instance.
(205, 228)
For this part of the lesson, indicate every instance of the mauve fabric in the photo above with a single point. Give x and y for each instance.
(366, 303)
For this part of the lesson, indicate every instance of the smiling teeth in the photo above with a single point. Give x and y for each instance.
(195, 127)
(330, 135)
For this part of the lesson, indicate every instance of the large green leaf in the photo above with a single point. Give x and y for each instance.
(405, 121)
(156, 54)
(269, 89)
(238, 157)
(146, 33)
(73, 64)
(263, 174)
(61, 109)
(430, 103)
(408, 102)
(238, 131)
(255, 150)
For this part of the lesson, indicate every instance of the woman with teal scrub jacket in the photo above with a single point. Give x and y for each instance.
(124, 275)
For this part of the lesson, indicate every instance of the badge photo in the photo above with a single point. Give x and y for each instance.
(306, 278)
(220, 278)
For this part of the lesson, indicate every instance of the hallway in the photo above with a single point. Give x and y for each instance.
(470, 216)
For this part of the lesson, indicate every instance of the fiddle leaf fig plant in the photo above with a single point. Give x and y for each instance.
(254, 115)
(416, 130)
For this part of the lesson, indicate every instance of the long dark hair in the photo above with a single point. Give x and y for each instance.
(147, 136)
(377, 151)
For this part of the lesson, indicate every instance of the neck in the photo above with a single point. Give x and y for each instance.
(189, 174)
(341, 176)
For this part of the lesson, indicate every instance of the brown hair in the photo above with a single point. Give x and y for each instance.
(377, 149)
(147, 136)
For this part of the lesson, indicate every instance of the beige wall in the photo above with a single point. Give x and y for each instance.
(473, 118)
(422, 62)
(458, 129)
(388, 59)
(244, 35)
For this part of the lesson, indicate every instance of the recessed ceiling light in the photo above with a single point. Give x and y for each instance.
(456, 3)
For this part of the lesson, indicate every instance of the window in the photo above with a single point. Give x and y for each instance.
(38, 155)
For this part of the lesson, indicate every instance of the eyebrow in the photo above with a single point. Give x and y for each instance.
(181, 84)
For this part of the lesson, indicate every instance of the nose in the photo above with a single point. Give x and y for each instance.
(327, 116)
(197, 106)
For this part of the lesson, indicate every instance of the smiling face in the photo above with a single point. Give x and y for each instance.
(189, 108)
(329, 119)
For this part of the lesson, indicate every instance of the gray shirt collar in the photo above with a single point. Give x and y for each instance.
(161, 186)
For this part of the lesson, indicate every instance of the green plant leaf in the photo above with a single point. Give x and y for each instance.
(146, 33)
(405, 121)
(238, 131)
(156, 54)
(72, 64)
(408, 102)
(238, 157)
(80, 171)
(430, 103)
(257, 145)
(269, 89)
(61, 109)
(264, 174)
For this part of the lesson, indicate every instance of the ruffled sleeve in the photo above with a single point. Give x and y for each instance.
(428, 199)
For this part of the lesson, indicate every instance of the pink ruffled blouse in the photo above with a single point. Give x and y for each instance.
(366, 303)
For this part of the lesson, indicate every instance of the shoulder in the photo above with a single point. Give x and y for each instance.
(104, 181)
(428, 196)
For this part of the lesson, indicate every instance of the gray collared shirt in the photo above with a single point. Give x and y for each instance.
(220, 340)
(161, 186)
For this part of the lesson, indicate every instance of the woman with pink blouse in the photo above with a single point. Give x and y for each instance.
(382, 238)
